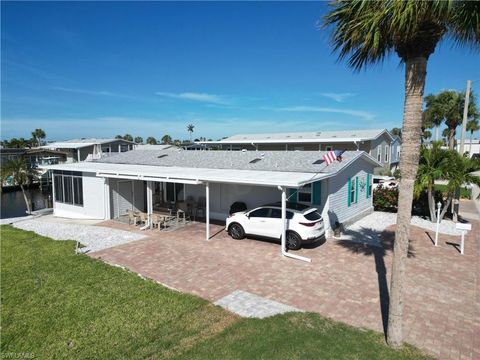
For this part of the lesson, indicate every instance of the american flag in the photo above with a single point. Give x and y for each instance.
(333, 155)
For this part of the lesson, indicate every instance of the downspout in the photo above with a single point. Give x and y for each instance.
(284, 228)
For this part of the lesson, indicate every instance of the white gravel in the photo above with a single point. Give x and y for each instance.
(368, 229)
(94, 238)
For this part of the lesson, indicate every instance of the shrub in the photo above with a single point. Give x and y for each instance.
(385, 199)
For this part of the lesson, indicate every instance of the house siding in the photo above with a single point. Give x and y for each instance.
(338, 205)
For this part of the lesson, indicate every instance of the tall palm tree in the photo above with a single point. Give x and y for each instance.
(37, 136)
(190, 130)
(21, 175)
(367, 32)
(447, 106)
(472, 126)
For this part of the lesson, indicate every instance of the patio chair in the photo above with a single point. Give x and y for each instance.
(143, 218)
(132, 217)
(183, 212)
(201, 205)
(157, 220)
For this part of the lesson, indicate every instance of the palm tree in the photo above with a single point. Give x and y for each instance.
(138, 139)
(166, 139)
(118, 137)
(21, 174)
(447, 106)
(396, 132)
(38, 135)
(367, 32)
(128, 137)
(433, 166)
(151, 140)
(190, 130)
(472, 126)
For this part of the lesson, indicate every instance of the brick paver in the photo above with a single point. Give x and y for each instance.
(346, 281)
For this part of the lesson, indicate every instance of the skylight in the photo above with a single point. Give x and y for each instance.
(318, 162)
(162, 156)
(255, 160)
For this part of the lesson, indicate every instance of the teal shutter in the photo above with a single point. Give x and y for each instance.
(317, 193)
(368, 186)
(349, 190)
(356, 189)
(292, 195)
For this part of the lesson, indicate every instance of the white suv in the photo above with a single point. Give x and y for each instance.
(304, 224)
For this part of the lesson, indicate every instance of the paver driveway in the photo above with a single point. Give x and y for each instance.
(345, 281)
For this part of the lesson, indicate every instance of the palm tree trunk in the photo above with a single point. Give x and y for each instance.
(470, 147)
(27, 201)
(447, 205)
(415, 73)
(451, 139)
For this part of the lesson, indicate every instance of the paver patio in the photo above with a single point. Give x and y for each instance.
(346, 281)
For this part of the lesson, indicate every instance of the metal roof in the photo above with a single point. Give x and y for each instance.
(275, 168)
(79, 143)
(303, 137)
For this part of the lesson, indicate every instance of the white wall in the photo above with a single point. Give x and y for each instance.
(224, 195)
(93, 201)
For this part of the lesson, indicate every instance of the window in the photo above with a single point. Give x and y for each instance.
(370, 185)
(386, 153)
(379, 153)
(305, 194)
(277, 214)
(353, 190)
(328, 148)
(262, 212)
(68, 187)
(312, 216)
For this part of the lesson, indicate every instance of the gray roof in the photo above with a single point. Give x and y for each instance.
(285, 161)
(313, 136)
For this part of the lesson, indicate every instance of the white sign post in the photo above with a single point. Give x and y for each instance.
(439, 206)
(463, 228)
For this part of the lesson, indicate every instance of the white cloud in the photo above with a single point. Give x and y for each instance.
(198, 97)
(87, 92)
(358, 113)
(338, 97)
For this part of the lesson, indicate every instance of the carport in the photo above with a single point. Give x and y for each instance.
(200, 176)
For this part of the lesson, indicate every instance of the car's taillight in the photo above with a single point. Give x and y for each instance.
(308, 224)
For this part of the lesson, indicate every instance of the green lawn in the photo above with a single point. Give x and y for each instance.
(55, 304)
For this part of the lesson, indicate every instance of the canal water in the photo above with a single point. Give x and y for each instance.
(13, 203)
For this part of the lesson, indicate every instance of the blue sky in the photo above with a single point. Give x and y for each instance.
(97, 69)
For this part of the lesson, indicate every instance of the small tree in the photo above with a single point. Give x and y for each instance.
(128, 137)
(21, 174)
(138, 139)
(151, 140)
(118, 137)
(38, 135)
(166, 139)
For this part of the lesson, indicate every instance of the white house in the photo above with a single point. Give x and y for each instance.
(88, 149)
(471, 146)
(379, 143)
(141, 179)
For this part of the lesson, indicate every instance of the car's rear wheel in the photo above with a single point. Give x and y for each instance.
(294, 241)
(236, 231)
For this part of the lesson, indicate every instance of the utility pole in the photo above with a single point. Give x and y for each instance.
(456, 200)
(465, 116)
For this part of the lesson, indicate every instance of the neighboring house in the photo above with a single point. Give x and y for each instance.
(379, 143)
(474, 145)
(395, 147)
(89, 149)
(11, 154)
(211, 181)
(34, 157)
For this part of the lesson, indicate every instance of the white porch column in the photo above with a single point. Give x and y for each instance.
(78, 155)
(207, 211)
(106, 201)
(149, 202)
(284, 228)
(119, 148)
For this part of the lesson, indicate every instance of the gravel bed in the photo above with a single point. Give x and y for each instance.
(94, 238)
(368, 229)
